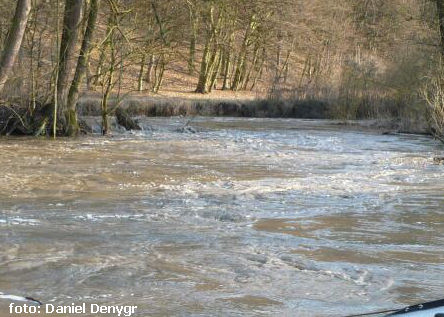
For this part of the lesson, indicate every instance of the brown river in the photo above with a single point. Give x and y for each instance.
(251, 217)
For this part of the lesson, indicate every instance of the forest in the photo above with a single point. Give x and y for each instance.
(339, 59)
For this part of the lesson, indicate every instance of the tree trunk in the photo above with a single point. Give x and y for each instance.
(98, 77)
(259, 70)
(14, 40)
(440, 7)
(71, 20)
(150, 69)
(141, 73)
(253, 65)
(203, 74)
(105, 123)
(213, 67)
(105, 98)
(210, 53)
(158, 73)
(193, 39)
(215, 72)
(227, 62)
(241, 66)
(88, 74)
(71, 116)
(109, 83)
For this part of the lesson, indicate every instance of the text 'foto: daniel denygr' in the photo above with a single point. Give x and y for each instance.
(82, 309)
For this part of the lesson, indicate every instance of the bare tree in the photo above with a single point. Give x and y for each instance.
(14, 40)
(440, 9)
(71, 22)
(73, 96)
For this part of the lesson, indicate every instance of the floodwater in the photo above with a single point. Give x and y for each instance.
(253, 217)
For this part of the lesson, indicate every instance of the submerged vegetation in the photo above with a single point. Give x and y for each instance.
(346, 59)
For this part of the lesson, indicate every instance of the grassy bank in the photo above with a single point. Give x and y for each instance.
(159, 106)
(171, 106)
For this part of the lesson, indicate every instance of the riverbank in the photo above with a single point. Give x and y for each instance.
(193, 105)
(20, 120)
(250, 106)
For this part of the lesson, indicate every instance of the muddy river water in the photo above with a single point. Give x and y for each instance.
(252, 217)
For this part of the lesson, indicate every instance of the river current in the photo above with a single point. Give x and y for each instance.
(252, 217)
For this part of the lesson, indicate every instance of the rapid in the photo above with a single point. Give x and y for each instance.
(243, 217)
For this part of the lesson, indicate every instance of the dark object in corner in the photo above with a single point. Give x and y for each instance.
(438, 160)
(124, 119)
(34, 300)
(435, 308)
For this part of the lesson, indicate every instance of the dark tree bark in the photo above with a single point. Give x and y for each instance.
(241, 65)
(71, 21)
(193, 39)
(440, 7)
(14, 40)
(73, 96)
(141, 73)
(203, 74)
(210, 53)
(150, 69)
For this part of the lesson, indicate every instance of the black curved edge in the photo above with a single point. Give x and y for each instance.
(419, 307)
(34, 300)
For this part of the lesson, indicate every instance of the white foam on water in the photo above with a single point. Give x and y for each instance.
(19, 221)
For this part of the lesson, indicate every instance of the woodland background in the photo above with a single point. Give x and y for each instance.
(343, 59)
